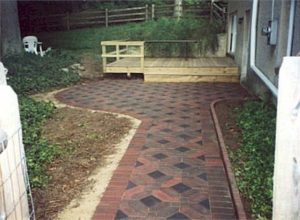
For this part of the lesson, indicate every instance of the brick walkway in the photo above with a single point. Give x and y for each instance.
(172, 168)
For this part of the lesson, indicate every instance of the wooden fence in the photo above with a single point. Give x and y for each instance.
(68, 21)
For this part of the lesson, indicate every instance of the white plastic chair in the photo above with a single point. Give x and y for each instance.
(31, 45)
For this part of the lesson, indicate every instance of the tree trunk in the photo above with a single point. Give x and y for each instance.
(178, 9)
(10, 28)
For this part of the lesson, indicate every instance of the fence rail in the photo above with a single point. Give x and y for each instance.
(107, 17)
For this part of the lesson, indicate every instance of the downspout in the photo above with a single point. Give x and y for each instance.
(258, 72)
(291, 28)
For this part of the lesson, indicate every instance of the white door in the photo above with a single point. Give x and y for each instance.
(232, 34)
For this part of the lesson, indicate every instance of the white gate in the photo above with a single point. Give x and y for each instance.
(15, 194)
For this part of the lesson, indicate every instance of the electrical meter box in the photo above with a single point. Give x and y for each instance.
(271, 32)
(272, 40)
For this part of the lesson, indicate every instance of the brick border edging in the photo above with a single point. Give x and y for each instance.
(237, 201)
(109, 203)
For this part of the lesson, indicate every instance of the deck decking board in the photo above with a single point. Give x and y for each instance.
(221, 69)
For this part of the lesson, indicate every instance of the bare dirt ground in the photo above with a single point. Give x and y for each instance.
(92, 68)
(86, 139)
(226, 112)
(227, 116)
(93, 143)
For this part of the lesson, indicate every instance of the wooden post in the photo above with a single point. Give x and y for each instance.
(104, 59)
(186, 50)
(106, 17)
(152, 11)
(146, 12)
(3, 72)
(1, 31)
(11, 159)
(142, 57)
(68, 21)
(118, 51)
(286, 189)
(2, 202)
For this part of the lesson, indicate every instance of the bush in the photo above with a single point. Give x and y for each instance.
(184, 29)
(38, 151)
(29, 73)
(253, 161)
(162, 29)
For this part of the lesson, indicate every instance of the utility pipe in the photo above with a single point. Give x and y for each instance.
(273, 8)
(291, 28)
(258, 72)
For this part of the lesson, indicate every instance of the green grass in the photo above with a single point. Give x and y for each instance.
(89, 39)
(253, 161)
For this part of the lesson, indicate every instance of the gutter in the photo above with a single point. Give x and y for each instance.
(253, 66)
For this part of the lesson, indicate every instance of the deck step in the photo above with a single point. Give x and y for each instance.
(187, 78)
(202, 74)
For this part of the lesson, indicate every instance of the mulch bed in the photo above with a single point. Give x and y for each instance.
(86, 138)
(227, 116)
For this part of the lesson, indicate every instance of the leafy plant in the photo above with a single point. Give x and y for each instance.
(38, 151)
(163, 29)
(253, 161)
(30, 73)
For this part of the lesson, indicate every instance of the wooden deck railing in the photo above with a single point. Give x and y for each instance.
(116, 50)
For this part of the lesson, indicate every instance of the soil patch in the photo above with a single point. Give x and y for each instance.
(92, 68)
(227, 116)
(227, 112)
(87, 138)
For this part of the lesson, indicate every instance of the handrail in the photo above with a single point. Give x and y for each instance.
(122, 43)
(186, 42)
(171, 41)
(119, 53)
(223, 10)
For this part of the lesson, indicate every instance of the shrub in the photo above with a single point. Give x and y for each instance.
(253, 161)
(38, 151)
(29, 73)
(162, 29)
(184, 29)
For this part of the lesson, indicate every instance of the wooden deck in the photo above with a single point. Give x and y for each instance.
(130, 58)
(179, 69)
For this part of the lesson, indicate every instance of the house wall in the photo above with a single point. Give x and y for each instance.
(296, 42)
(268, 57)
(240, 8)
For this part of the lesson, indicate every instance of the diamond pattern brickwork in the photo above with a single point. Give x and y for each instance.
(172, 168)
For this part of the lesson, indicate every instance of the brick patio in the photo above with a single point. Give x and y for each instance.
(172, 168)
